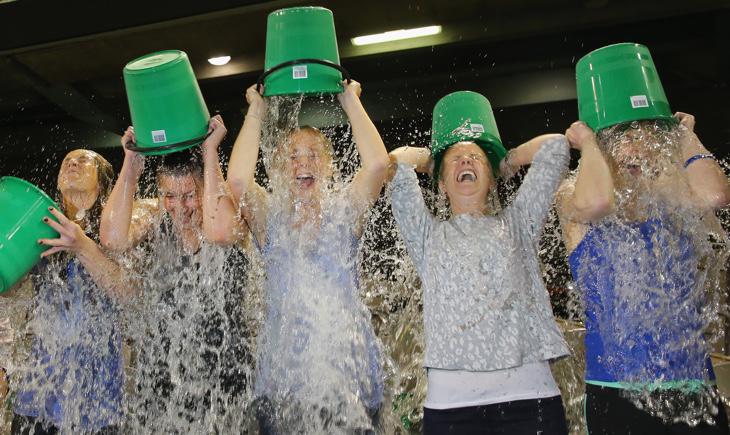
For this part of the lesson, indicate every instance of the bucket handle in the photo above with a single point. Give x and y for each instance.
(345, 74)
(130, 146)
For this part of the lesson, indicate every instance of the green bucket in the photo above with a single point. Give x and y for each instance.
(167, 108)
(465, 116)
(21, 225)
(301, 53)
(619, 83)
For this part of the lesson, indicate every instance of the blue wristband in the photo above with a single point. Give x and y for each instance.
(697, 157)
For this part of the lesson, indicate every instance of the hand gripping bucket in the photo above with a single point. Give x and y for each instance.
(167, 108)
(617, 84)
(21, 225)
(465, 116)
(301, 53)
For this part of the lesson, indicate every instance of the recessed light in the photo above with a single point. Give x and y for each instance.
(219, 61)
(396, 35)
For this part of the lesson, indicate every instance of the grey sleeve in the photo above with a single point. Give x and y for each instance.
(414, 219)
(535, 195)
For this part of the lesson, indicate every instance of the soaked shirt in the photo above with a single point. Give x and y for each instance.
(317, 342)
(75, 374)
(194, 356)
(644, 316)
(485, 306)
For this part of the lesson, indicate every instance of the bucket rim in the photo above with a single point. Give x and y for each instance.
(161, 67)
(591, 53)
(299, 9)
(31, 185)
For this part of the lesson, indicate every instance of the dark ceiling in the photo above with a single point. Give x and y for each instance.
(61, 63)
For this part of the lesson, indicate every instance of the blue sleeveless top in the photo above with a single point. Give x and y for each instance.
(75, 372)
(642, 303)
(312, 295)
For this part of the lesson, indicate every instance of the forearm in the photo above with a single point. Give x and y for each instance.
(242, 167)
(219, 214)
(593, 196)
(524, 154)
(116, 216)
(705, 176)
(367, 139)
(107, 274)
(417, 157)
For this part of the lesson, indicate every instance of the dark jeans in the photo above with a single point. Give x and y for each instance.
(520, 417)
(24, 425)
(608, 413)
(292, 418)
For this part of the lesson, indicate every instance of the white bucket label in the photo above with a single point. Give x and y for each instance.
(159, 136)
(638, 101)
(299, 72)
(476, 128)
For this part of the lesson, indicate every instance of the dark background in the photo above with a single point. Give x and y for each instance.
(61, 64)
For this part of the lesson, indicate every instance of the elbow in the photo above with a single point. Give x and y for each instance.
(718, 200)
(220, 238)
(379, 167)
(111, 242)
(596, 208)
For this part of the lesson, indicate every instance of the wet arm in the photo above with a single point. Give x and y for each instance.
(245, 192)
(591, 196)
(410, 212)
(116, 231)
(535, 196)
(706, 178)
(416, 157)
(107, 274)
(220, 223)
(368, 182)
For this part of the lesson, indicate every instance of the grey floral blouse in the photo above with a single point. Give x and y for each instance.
(485, 304)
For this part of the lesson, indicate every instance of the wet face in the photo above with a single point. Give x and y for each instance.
(180, 197)
(78, 172)
(466, 173)
(306, 164)
(636, 151)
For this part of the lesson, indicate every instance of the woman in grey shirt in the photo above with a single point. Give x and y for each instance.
(489, 326)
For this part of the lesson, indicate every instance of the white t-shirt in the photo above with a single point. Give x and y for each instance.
(460, 388)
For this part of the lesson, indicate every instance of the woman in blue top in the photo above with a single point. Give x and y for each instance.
(633, 256)
(318, 353)
(74, 377)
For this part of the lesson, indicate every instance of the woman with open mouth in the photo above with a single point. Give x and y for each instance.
(489, 326)
(319, 368)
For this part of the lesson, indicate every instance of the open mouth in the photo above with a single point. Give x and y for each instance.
(466, 176)
(633, 168)
(305, 181)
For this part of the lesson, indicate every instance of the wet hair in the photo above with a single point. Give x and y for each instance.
(607, 137)
(180, 164)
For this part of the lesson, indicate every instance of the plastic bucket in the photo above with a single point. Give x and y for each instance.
(167, 108)
(617, 84)
(465, 116)
(301, 53)
(21, 225)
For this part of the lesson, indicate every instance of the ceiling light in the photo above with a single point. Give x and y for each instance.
(396, 35)
(220, 60)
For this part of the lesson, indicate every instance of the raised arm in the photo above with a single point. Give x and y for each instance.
(416, 157)
(220, 223)
(590, 196)
(535, 195)
(247, 194)
(706, 178)
(107, 274)
(413, 217)
(116, 231)
(368, 181)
